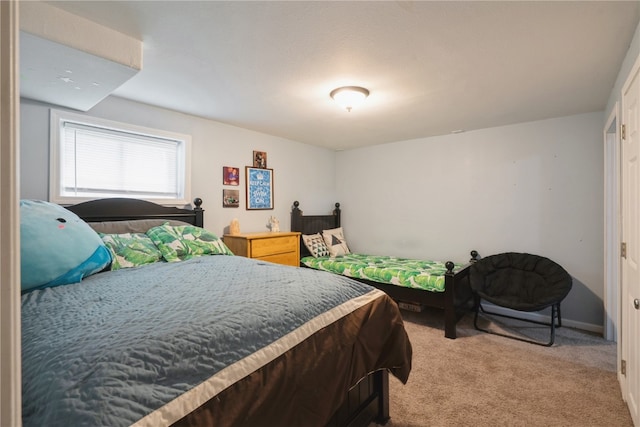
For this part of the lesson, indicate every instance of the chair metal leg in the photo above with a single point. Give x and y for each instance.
(559, 317)
(555, 312)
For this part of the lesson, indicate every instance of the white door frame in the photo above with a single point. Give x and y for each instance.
(612, 225)
(10, 331)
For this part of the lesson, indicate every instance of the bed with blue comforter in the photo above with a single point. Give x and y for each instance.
(212, 339)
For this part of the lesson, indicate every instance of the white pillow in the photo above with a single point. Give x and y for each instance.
(335, 241)
(315, 244)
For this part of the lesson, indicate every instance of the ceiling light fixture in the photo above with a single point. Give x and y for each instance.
(349, 96)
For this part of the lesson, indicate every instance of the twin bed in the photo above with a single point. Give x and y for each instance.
(443, 285)
(206, 340)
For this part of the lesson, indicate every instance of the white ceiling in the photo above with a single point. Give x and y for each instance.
(431, 67)
(48, 73)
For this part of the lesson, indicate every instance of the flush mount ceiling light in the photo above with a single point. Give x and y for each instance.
(349, 96)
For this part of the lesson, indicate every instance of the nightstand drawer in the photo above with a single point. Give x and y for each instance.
(279, 247)
(273, 245)
(286, 259)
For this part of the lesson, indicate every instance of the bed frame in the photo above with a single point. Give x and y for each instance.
(123, 209)
(366, 402)
(456, 299)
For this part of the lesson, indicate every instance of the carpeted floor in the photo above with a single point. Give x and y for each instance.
(486, 380)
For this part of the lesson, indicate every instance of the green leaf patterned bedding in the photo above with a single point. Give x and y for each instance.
(179, 243)
(130, 250)
(410, 273)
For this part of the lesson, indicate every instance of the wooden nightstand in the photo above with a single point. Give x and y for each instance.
(280, 247)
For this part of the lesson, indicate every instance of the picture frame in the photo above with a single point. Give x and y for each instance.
(230, 198)
(259, 184)
(230, 175)
(260, 159)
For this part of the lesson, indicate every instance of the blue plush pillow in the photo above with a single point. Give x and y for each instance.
(56, 246)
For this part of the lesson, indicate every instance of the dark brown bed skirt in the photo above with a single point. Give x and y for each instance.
(308, 384)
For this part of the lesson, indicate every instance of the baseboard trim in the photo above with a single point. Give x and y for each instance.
(539, 317)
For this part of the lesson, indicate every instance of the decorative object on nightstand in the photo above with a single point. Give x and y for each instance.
(274, 224)
(281, 248)
(234, 227)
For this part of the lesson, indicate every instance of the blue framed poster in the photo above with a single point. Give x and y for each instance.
(259, 188)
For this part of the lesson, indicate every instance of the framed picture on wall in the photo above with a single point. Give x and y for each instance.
(259, 184)
(259, 159)
(230, 198)
(230, 175)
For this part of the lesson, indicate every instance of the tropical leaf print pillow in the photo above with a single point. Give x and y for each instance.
(131, 250)
(178, 243)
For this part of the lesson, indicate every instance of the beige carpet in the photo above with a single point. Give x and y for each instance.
(486, 380)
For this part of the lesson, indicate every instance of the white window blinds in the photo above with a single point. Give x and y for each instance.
(99, 161)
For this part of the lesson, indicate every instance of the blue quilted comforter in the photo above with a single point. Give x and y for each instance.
(121, 344)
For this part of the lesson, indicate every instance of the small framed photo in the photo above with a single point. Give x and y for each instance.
(230, 198)
(259, 188)
(260, 159)
(230, 175)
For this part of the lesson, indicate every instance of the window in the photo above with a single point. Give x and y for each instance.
(94, 158)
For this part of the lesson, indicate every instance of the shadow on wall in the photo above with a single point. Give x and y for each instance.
(582, 306)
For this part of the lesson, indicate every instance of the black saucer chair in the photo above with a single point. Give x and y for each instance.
(520, 282)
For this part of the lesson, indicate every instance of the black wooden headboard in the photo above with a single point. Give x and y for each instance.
(311, 224)
(123, 209)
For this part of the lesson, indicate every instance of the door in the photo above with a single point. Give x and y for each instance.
(630, 295)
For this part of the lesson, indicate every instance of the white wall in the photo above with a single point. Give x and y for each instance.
(301, 172)
(533, 187)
